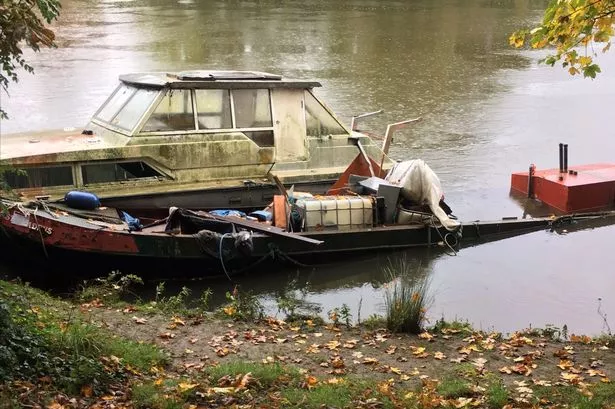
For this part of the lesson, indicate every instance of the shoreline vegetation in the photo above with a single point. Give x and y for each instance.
(99, 351)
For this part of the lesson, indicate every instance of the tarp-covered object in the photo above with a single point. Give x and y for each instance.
(420, 184)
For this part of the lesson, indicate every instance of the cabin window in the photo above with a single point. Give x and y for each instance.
(252, 108)
(319, 122)
(117, 101)
(116, 172)
(38, 177)
(213, 109)
(173, 113)
(133, 110)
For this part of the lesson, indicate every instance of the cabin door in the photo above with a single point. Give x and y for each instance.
(289, 125)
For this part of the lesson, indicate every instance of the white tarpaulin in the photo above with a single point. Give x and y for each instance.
(420, 184)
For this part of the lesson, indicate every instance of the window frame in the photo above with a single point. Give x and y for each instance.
(328, 110)
(137, 128)
(43, 188)
(139, 133)
(163, 176)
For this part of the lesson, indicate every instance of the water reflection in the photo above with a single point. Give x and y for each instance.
(488, 110)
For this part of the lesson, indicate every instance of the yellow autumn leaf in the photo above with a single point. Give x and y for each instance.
(186, 386)
(426, 335)
(461, 402)
(395, 370)
(417, 350)
(311, 380)
(439, 355)
(86, 391)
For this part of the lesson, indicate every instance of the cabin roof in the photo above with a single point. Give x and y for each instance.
(214, 79)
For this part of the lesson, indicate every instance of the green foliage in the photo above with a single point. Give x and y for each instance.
(204, 300)
(5, 171)
(38, 339)
(453, 387)
(341, 314)
(405, 297)
(345, 394)
(265, 375)
(109, 289)
(497, 395)
(603, 396)
(463, 327)
(150, 396)
(550, 331)
(243, 306)
(569, 25)
(173, 304)
(20, 22)
(374, 322)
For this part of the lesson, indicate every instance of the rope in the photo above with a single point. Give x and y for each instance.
(38, 228)
(444, 238)
(221, 256)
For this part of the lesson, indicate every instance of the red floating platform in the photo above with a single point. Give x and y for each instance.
(581, 189)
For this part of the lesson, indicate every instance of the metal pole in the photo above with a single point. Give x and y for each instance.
(530, 181)
(566, 158)
(561, 157)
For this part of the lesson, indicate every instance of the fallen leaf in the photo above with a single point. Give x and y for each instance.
(86, 391)
(167, 335)
(138, 320)
(439, 355)
(186, 386)
(565, 364)
(427, 336)
(333, 345)
(461, 402)
(391, 349)
(178, 321)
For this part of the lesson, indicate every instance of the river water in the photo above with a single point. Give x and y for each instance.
(487, 110)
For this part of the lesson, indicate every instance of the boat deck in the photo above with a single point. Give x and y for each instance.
(581, 189)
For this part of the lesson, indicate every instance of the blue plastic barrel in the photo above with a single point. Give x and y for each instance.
(81, 200)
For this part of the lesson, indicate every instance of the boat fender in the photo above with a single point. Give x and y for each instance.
(243, 243)
(81, 200)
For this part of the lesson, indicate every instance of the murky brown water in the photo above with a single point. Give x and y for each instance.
(488, 110)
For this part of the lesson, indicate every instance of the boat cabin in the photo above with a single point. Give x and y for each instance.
(197, 136)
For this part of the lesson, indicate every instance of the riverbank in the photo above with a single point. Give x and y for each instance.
(100, 352)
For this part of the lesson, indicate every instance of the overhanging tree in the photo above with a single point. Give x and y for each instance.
(577, 29)
(23, 22)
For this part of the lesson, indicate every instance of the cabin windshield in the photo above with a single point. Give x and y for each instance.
(126, 106)
(319, 121)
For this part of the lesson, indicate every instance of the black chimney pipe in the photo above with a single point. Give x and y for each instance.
(561, 157)
(566, 157)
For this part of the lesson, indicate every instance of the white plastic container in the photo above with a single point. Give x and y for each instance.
(336, 212)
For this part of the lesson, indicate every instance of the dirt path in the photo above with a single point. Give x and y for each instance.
(521, 361)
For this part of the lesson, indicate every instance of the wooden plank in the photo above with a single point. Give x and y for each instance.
(267, 229)
(279, 211)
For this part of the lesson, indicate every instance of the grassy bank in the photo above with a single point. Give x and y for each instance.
(101, 352)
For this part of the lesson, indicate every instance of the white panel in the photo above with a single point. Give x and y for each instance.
(289, 125)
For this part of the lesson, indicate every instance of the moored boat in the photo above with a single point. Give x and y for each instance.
(195, 139)
(297, 228)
